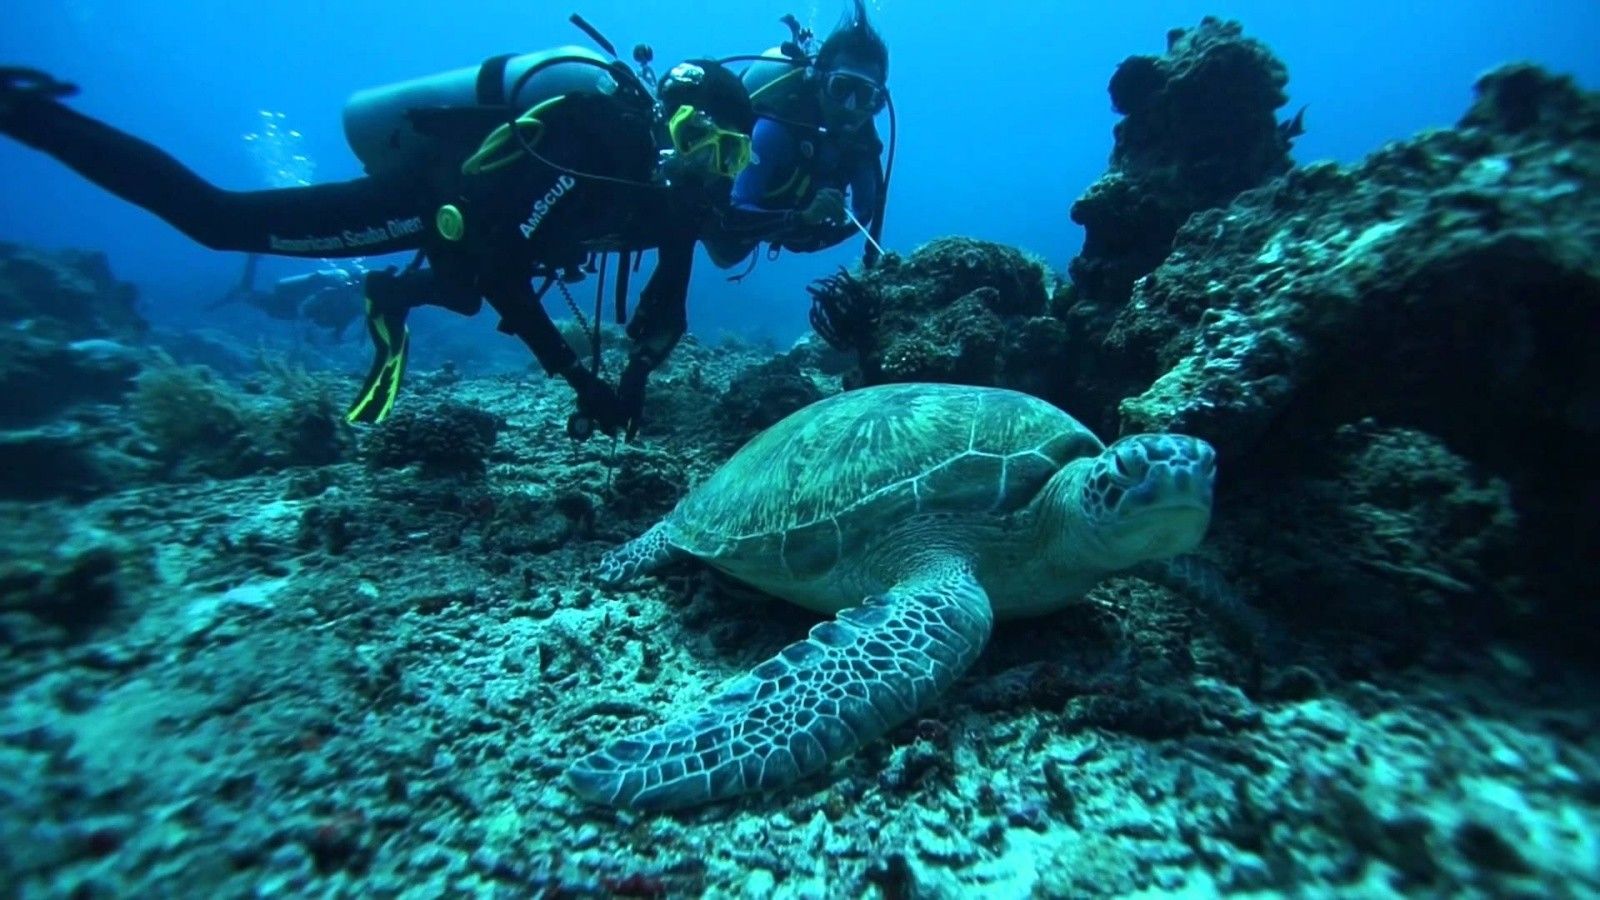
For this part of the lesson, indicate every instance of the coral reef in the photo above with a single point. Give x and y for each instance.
(41, 378)
(351, 678)
(93, 406)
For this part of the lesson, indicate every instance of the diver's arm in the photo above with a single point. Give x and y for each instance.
(522, 316)
(657, 325)
(866, 186)
(774, 147)
(362, 217)
(662, 315)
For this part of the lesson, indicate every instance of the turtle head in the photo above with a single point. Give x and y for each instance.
(1147, 496)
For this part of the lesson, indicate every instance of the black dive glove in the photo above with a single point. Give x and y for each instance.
(19, 86)
(826, 208)
(630, 396)
(598, 406)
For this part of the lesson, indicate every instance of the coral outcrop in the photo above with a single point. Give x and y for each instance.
(67, 295)
(69, 333)
(957, 310)
(1199, 127)
(1448, 284)
(445, 438)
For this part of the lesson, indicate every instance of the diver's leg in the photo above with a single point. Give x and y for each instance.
(388, 298)
(365, 216)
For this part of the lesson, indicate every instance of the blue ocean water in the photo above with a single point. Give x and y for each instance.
(1003, 111)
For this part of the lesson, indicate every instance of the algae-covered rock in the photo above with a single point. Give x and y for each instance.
(58, 582)
(40, 377)
(194, 423)
(1198, 128)
(70, 460)
(446, 438)
(66, 295)
(957, 310)
(765, 393)
(1446, 284)
(1385, 544)
(1443, 276)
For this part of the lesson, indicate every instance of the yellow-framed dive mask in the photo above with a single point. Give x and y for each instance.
(695, 135)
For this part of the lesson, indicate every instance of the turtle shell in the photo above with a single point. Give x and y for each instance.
(823, 480)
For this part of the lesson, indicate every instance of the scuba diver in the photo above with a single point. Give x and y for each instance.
(814, 139)
(329, 298)
(525, 167)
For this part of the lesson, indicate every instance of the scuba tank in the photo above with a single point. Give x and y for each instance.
(773, 79)
(381, 123)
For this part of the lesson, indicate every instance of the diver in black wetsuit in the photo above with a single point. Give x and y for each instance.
(814, 139)
(511, 183)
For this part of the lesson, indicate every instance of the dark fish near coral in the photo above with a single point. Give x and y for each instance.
(1293, 127)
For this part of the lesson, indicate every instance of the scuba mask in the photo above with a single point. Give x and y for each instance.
(694, 134)
(842, 87)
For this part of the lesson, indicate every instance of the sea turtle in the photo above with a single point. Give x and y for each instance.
(918, 513)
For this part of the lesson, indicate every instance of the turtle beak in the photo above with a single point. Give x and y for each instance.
(1176, 529)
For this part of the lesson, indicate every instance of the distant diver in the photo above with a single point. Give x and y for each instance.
(329, 298)
(530, 166)
(815, 137)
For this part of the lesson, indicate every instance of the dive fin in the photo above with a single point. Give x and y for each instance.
(391, 340)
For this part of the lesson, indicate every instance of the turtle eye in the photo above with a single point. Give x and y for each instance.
(1124, 467)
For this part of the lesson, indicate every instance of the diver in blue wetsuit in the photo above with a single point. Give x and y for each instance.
(814, 141)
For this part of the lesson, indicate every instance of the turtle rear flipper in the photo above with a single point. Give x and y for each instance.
(818, 700)
(640, 556)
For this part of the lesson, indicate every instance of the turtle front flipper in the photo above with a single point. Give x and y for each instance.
(640, 556)
(816, 702)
